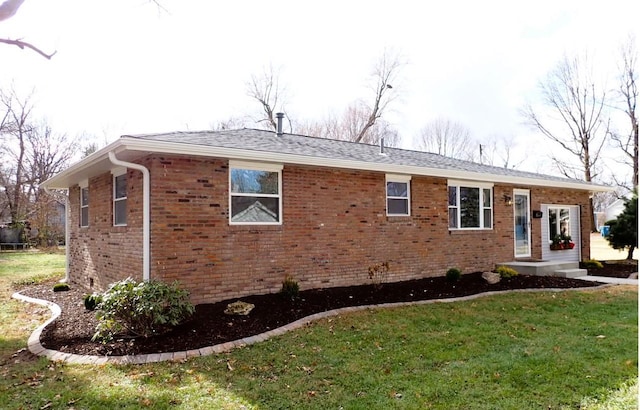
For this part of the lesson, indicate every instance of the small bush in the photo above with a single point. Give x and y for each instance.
(60, 287)
(290, 288)
(591, 264)
(506, 272)
(378, 273)
(453, 274)
(92, 301)
(141, 309)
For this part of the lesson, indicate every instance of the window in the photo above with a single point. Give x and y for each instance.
(84, 206)
(255, 193)
(120, 199)
(559, 222)
(470, 205)
(398, 195)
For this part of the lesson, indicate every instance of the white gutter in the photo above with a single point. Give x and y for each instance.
(146, 257)
(67, 234)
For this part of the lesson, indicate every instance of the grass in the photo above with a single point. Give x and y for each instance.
(535, 350)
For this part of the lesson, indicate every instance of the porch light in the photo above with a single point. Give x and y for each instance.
(507, 199)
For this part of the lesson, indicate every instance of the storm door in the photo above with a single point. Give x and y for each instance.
(521, 224)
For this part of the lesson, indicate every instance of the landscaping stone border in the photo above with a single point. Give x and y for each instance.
(37, 349)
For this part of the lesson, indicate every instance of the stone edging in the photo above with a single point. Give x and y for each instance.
(37, 349)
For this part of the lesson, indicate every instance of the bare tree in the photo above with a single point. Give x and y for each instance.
(385, 73)
(31, 153)
(362, 121)
(446, 137)
(499, 151)
(575, 120)
(16, 129)
(347, 125)
(628, 96)
(230, 123)
(267, 91)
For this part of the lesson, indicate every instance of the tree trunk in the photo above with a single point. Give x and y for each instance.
(630, 254)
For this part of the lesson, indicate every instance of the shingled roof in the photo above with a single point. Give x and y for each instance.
(294, 144)
(268, 146)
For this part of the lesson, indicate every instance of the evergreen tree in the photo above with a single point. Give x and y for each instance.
(624, 229)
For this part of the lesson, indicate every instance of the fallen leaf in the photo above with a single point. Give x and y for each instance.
(601, 337)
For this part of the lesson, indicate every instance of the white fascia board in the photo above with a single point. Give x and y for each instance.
(137, 144)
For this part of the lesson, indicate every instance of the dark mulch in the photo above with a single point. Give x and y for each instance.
(72, 331)
(616, 269)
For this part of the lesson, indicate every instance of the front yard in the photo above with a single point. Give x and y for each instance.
(574, 349)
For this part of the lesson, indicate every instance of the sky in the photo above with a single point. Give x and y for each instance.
(127, 67)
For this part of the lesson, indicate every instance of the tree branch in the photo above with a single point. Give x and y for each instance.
(9, 8)
(24, 44)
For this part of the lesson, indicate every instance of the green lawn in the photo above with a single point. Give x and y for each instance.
(520, 351)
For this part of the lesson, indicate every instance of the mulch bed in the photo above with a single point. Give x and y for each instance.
(73, 330)
(616, 269)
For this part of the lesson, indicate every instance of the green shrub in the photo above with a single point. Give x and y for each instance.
(591, 264)
(290, 288)
(92, 301)
(61, 287)
(141, 309)
(453, 274)
(506, 272)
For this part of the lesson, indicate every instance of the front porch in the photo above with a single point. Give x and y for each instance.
(565, 269)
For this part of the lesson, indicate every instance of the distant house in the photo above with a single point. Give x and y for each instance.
(613, 210)
(231, 213)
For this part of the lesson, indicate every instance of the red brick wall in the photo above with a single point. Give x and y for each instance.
(101, 253)
(334, 228)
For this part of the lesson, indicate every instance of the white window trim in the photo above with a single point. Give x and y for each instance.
(405, 179)
(82, 206)
(256, 166)
(557, 208)
(471, 184)
(124, 198)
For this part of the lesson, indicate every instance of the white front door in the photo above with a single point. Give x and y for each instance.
(521, 223)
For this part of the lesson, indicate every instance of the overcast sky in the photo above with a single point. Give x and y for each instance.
(124, 67)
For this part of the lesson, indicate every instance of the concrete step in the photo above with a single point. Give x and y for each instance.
(540, 268)
(571, 273)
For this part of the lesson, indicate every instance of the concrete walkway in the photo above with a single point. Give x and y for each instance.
(614, 281)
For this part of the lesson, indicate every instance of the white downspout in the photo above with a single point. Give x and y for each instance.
(67, 234)
(67, 237)
(146, 257)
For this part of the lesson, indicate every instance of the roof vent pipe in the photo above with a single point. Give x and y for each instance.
(382, 145)
(279, 116)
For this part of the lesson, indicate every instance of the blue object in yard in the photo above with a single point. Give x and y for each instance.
(604, 230)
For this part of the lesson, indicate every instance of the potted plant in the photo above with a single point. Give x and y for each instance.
(566, 241)
(557, 243)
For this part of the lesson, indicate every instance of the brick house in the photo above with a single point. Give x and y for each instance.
(231, 213)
